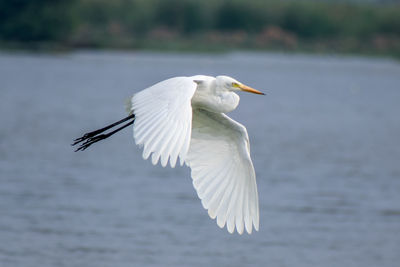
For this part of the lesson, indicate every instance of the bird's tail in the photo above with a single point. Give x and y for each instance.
(92, 137)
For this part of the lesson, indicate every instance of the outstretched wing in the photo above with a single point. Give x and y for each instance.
(163, 119)
(222, 171)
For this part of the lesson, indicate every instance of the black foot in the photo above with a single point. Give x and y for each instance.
(89, 141)
(92, 137)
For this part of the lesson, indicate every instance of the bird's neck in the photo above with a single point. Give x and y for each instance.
(218, 102)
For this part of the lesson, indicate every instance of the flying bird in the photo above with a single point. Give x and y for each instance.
(184, 117)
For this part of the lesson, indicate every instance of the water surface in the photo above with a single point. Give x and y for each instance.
(325, 145)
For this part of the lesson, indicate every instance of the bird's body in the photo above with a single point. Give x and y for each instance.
(184, 117)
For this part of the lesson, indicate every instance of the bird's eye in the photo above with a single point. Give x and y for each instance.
(235, 84)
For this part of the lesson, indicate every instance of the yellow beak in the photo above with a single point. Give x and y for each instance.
(246, 88)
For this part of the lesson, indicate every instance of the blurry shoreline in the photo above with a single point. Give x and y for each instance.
(353, 28)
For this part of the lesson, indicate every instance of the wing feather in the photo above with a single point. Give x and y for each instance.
(223, 206)
(216, 199)
(208, 185)
(186, 142)
(230, 212)
(179, 143)
(222, 171)
(160, 145)
(144, 128)
(163, 121)
(239, 208)
(169, 146)
(154, 136)
(211, 191)
(246, 211)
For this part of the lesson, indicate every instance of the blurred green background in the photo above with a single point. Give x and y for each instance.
(310, 26)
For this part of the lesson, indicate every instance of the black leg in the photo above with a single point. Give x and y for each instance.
(93, 137)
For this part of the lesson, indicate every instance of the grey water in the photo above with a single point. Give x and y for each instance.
(325, 142)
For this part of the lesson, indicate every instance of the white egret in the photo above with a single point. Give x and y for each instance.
(184, 117)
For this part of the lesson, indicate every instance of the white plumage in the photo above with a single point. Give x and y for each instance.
(184, 117)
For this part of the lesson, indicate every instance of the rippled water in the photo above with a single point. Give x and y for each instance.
(325, 145)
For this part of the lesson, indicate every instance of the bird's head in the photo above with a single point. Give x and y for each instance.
(230, 84)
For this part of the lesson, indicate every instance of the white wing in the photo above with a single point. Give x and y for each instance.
(163, 119)
(222, 171)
